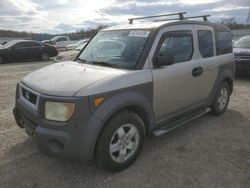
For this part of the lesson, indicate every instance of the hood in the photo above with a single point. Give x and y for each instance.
(71, 45)
(65, 79)
(68, 55)
(242, 51)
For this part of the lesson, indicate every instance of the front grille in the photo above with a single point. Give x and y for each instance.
(31, 97)
(242, 56)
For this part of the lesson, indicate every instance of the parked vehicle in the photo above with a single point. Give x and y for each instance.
(59, 41)
(71, 54)
(154, 77)
(242, 54)
(26, 49)
(75, 45)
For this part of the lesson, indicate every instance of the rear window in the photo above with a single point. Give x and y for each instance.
(205, 38)
(223, 42)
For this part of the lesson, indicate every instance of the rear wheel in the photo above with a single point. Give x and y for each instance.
(221, 99)
(120, 142)
(45, 56)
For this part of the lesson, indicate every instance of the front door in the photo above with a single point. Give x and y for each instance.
(175, 86)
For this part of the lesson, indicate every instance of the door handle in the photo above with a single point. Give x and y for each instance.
(197, 71)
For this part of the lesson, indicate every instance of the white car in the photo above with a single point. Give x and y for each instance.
(59, 41)
(73, 46)
(71, 54)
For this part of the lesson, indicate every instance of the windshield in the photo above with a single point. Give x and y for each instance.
(80, 47)
(243, 42)
(9, 44)
(120, 49)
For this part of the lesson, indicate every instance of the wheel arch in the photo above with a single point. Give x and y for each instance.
(230, 83)
(226, 74)
(136, 103)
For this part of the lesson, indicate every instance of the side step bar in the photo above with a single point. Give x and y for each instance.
(173, 125)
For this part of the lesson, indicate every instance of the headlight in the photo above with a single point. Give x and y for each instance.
(59, 111)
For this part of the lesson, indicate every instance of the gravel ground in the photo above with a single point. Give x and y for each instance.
(208, 152)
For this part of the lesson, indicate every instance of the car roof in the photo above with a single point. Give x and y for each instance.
(27, 41)
(159, 25)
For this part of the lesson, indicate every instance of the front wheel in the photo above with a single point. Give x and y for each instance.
(1, 60)
(120, 142)
(221, 99)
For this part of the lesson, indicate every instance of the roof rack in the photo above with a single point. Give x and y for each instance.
(181, 16)
(185, 18)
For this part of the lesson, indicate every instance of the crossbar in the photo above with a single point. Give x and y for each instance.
(180, 14)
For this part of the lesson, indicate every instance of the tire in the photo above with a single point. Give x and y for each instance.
(45, 56)
(120, 142)
(1, 60)
(221, 99)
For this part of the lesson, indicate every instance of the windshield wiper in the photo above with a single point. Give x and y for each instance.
(81, 60)
(105, 64)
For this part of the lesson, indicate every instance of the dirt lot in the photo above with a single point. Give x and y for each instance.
(208, 152)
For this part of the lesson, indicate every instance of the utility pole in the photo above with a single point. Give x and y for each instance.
(248, 18)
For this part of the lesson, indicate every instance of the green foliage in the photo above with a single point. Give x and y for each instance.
(16, 34)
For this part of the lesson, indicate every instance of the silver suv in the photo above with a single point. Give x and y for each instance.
(129, 81)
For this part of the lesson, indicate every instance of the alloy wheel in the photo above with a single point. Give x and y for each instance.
(124, 143)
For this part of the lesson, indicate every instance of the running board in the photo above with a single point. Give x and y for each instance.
(175, 124)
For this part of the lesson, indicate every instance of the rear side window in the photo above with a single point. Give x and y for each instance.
(205, 38)
(223, 42)
(179, 47)
(20, 45)
(32, 44)
(61, 39)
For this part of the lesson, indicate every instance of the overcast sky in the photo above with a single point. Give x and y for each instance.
(55, 16)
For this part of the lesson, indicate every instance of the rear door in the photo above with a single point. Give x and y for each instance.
(33, 49)
(207, 60)
(175, 87)
(18, 51)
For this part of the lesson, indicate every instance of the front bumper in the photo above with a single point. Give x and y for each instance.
(242, 65)
(73, 140)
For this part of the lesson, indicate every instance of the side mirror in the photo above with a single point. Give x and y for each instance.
(163, 60)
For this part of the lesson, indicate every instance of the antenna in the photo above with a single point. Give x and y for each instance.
(248, 18)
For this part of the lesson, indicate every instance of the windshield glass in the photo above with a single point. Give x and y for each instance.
(115, 48)
(9, 44)
(243, 42)
(80, 47)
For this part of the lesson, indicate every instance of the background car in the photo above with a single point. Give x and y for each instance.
(73, 46)
(242, 54)
(71, 54)
(26, 49)
(59, 41)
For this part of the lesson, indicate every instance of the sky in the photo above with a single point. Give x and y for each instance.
(58, 16)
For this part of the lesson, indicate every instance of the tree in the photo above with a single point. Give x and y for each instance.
(232, 23)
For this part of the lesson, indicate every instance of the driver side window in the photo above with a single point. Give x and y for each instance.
(176, 47)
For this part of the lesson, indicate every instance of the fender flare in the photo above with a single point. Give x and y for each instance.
(114, 104)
